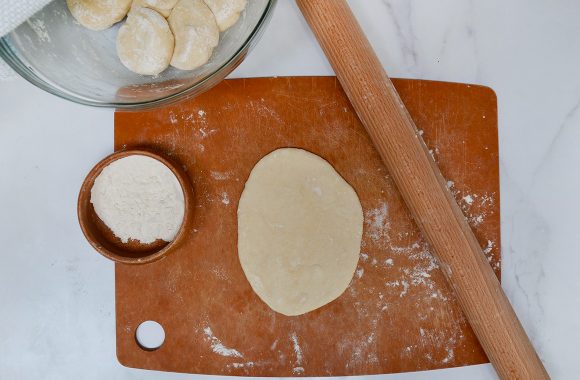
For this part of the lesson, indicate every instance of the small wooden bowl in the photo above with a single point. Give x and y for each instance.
(103, 239)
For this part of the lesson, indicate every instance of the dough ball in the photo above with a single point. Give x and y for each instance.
(300, 226)
(162, 6)
(226, 12)
(196, 34)
(98, 14)
(145, 42)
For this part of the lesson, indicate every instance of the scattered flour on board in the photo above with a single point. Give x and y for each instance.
(204, 133)
(220, 273)
(220, 176)
(225, 199)
(448, 339)
(298, 352)
(450, 355)
(372, 358)
(475, 207)
(405, 250)
(241, 365)
(218, 347)
(377, 221)
(263, 110)
(418, 272)
(488, 251)
(405, 288)
(362, 350)
(488, 247)
(412, 277)
(195, 119)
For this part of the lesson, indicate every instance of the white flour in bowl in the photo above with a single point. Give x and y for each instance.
(139, 198)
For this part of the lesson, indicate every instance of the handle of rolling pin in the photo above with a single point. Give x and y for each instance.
(422, 186)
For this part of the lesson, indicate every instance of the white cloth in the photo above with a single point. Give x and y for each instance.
(12, 14)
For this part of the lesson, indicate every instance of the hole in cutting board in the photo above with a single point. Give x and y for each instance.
(150, 335)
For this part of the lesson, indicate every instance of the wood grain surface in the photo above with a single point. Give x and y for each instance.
(397, 315)
(423, 188)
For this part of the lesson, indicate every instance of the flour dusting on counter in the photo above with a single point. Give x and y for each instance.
(220, 176)
(218, 347)
(242, 365)
(475, 207)
(298, 352)
(377, 221)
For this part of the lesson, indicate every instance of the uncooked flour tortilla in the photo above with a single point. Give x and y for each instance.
(299, 231)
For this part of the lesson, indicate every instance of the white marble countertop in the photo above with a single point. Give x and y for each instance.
(57, 315)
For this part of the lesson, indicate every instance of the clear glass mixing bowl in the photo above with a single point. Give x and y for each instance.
(55, 53)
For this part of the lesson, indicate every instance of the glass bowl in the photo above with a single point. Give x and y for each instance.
(52, 51)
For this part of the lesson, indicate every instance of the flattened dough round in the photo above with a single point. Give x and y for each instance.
(98, 14)
(227, 12)
(164, 7)
(299, 231)
(145, 42)
(196, 34)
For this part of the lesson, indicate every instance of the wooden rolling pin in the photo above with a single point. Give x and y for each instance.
(424, 189)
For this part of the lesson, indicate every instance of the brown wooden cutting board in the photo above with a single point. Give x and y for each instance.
(397, 315)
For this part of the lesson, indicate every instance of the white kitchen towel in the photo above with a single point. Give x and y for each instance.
(12, 14)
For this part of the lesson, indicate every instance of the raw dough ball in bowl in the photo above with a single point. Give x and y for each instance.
(98, 14)
(145, 42)
(299, 231)
(196, 34)
(59, 55)
(164, 7)
(227, 12)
